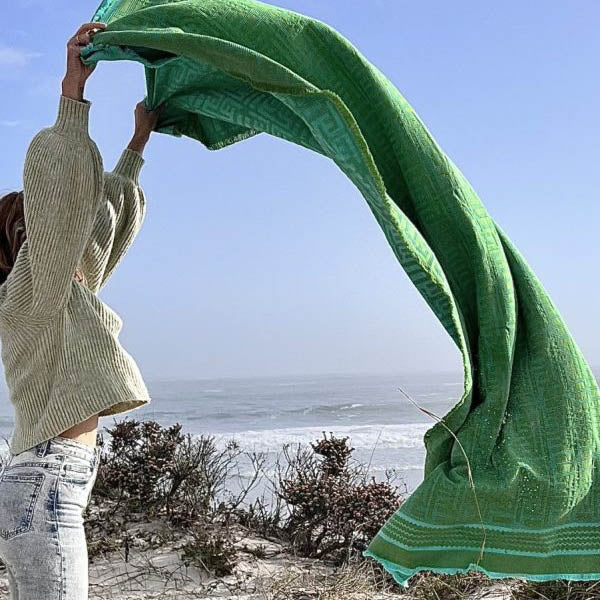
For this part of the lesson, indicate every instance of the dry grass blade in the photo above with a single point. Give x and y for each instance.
(470, 473)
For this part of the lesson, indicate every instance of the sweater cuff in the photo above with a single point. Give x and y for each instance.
(73, 117)
(130, 164)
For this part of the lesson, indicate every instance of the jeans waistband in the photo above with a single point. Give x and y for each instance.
(63, 445)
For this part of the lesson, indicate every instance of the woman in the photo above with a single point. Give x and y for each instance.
(60, 240)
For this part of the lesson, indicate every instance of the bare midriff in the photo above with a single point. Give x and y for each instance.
(84, 432)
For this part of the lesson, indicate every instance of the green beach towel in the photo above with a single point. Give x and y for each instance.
(529, 417)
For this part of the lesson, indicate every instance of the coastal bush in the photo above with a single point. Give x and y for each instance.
(323, 504)
(334, 511)
(212, 551)
(150, 471)
(198, 479)
(137, 469)
(262, 517)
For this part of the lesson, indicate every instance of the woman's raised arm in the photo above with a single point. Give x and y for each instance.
(62, 188)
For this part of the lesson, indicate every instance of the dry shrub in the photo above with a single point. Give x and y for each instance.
(334, 512)
(212, 551)
(138, 468)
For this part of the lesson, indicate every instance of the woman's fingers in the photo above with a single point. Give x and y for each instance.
(84, 34)
(83, 39)
(145, 120)
(88, 26)
(76, 70)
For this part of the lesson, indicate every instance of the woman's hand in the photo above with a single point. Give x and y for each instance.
(77, 74)
(145, 122)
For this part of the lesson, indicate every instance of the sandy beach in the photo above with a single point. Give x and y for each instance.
(279, 575)
(266, 570)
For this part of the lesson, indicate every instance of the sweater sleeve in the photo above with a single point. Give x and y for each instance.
(62, 188)
(118, 222)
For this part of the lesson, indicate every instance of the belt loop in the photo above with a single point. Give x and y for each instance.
(42, 448)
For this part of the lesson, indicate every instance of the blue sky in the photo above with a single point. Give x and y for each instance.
(263, 259)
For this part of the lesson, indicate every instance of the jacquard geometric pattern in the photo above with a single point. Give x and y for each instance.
(529, 417)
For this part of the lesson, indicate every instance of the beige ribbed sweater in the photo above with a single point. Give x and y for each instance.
(62, 358)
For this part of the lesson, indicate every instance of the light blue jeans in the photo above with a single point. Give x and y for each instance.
(43, 494)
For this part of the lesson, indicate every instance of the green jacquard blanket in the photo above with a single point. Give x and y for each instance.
(529, 417)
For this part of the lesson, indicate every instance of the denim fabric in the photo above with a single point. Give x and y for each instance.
(43, 494)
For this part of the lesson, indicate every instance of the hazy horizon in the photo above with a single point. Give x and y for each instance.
(262, 259)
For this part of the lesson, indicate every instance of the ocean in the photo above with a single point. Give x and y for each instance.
(264, 413)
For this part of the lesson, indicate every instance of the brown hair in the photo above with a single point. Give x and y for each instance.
(12, 231)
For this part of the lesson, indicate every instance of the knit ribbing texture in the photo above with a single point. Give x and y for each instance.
(63, 361)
